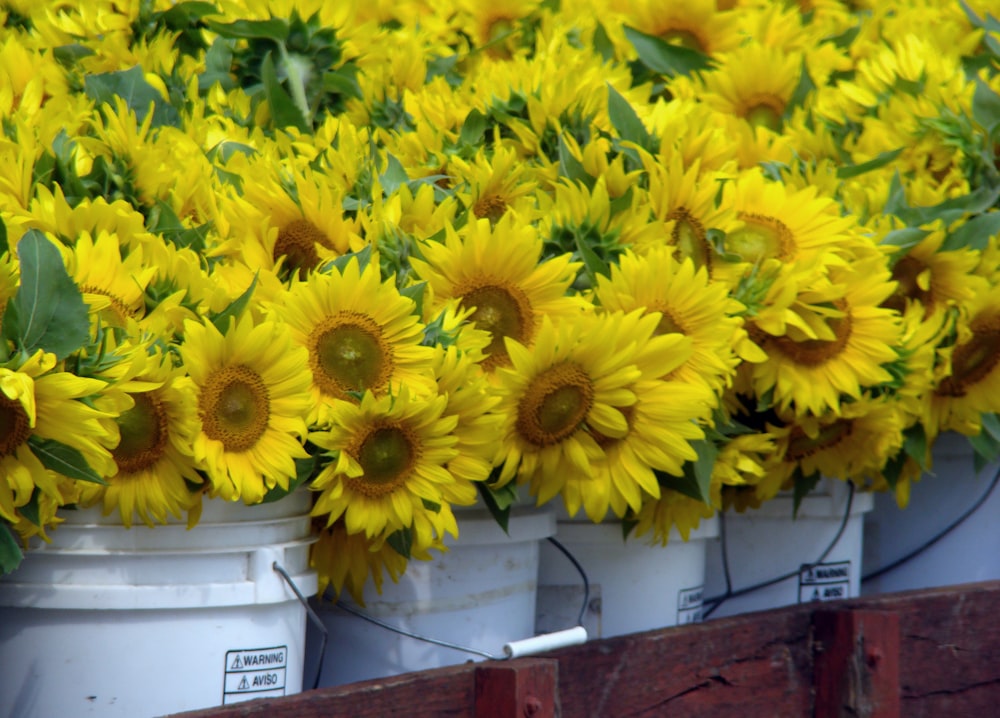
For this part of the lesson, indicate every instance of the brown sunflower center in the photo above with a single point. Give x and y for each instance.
(503, 312)
(297, 242)
(761, 237)
(387, 456)
(683, 38)
(235, 407)
(143, 431)
(347, 352)
(491, 207)
(907, 272)
(765, 111)
(689, 238)
(974, 360)
(15, 426)
(555, 404)
(801, 445)
(813, 352)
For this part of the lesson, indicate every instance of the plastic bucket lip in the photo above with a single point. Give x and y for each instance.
(584, 531)
(827, 502)
(477, 527)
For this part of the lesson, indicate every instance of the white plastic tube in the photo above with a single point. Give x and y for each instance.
(546, 642)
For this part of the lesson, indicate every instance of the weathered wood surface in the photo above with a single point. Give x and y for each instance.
(932, 653)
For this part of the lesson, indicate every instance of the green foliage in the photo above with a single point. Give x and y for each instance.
(10, 552)
(666, 59)
(139, 96)
(498, 501)
(57, 456)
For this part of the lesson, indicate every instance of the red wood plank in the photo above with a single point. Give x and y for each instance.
(856, 671)
(524, 688)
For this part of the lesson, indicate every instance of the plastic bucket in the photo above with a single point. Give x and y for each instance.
(480, 594)
(768, 542)
(969, 553)
(634, 586)
(108, 621)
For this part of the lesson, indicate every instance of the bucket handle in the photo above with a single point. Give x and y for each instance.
(313, 616)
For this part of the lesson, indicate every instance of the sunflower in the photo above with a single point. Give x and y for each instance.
(345, 560)
(153, 457)
(493, 183)
(497, 272)
(361, 335)
(689, 303)
(696, 25)
(971, 383)
(390, 461)
(252, 387)
(43, 407)
(812, 375)
(934, 279)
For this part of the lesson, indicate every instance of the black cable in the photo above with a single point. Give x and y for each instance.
(937, 537)
(312, 616)
(719, 600)
(583, 575)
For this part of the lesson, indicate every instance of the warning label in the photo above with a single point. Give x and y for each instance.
(255, 673)
(689, 605)
(825, 582)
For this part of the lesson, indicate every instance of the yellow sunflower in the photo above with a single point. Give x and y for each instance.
(497, 272)
(697, 25)
(934, 279)
(44, 407)
(345, 560)
(361, 335)
(493, 183)
(813, 375)
(389, 464)
(252, 387)
(153, 458)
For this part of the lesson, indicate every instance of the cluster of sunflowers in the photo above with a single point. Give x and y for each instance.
(649, 260)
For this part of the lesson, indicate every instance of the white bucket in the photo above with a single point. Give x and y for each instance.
(767, 543)
(108, 621)
(969, 553)
(480, 594)
(633, 586)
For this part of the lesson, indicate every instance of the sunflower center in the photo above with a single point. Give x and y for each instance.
(761, 237)
(973, 361)
(491, 207)
(683, 38)
(690, 238)
(143, 434)
(801, 445)
(297, 242)
(813, 352)
(764, 111)
(387, 456)
(907, 272)
(503, 312)
(235, 407)
(15, 426)
(555, 404)
(348, 353)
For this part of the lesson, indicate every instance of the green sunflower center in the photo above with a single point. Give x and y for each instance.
(143, 430)
(503, 312)
(761, 237)
(387, 456)
(235, 407)
(801, 445)
(347, 352)
(683, 38)
(765, 111)
(297, 242)
(974, 360)
(15, 426)
(690, 238)
(555, 404)
(813, 352)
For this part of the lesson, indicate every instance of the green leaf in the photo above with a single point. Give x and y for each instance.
(165, 222)
(697, 479)
(627, 123)
(63, 459)
(906, 238)
(975, 233)
(803, 487)
(986, 448)
(48, 311)
(986, 107)
(139, 95)
(4, 247)
(571, 168)
(363, 256)
(70, 54)
(30, 510)
(342, 81)
(284, 112)
(991, 425)
(802, 91)
(881, 160)
(218, 66)
(951, 210)
(416, 292)
(273, 29)
(303, 472)
(401, 542)
(473, 128)
(593, 263)
(664, 58)
(602, 43)
(915, 445)
(431, 506)
(235, 308)
(10, 552)
(498, 501)
(393, 177)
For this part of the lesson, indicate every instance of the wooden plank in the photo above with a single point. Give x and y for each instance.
(525, 688)
(856, 670)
